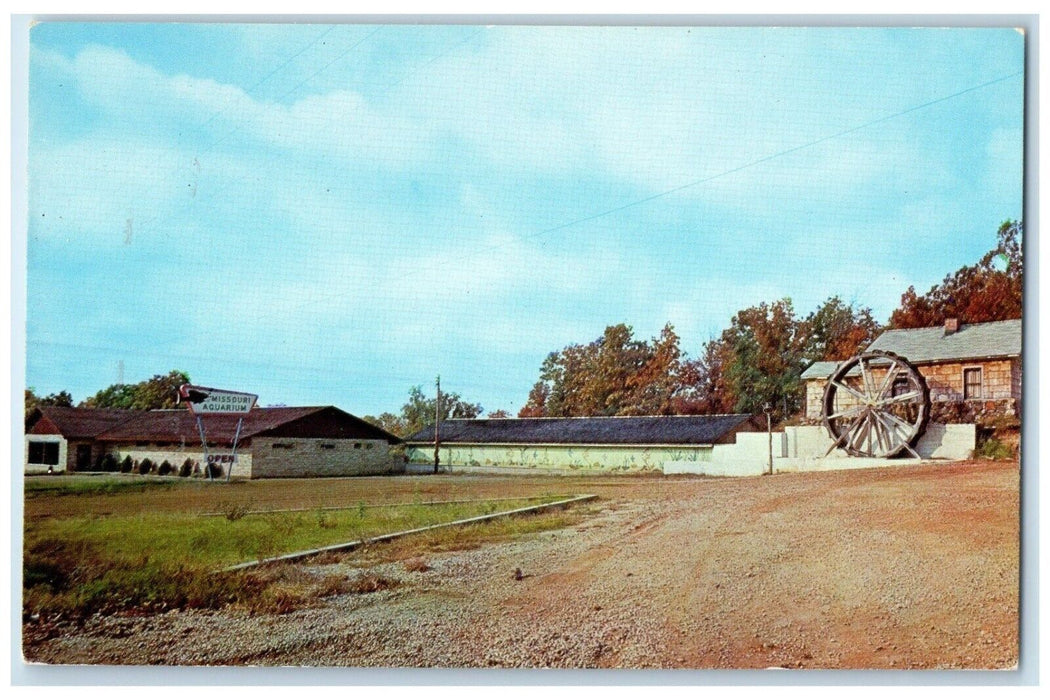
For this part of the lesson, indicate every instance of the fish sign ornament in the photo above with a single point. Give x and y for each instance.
(204, 400)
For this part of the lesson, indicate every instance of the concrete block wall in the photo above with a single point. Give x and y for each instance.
(296, 457)
(177, 454)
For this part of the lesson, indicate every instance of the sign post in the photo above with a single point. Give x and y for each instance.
(202, 400)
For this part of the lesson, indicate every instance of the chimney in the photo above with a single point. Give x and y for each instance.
(951, 325)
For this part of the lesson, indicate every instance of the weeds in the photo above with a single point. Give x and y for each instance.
(416, 564)
(993, 448)
(235, 511)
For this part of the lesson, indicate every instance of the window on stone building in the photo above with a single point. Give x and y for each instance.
(972, 383)
(43, 453)
(901, 385)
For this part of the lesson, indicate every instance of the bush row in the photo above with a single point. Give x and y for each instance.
(190, 467)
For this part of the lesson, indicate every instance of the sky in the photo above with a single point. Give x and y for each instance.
(333, 214)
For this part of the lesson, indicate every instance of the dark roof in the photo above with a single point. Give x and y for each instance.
(175, 425)
(972, 341)
(179, 425)
(627, 430)
(74, 423)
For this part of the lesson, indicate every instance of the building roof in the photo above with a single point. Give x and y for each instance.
(179, 425)
(820, 370)
(73, 423)
(973, 341)
(626, 430)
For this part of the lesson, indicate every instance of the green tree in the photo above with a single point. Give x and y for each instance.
(388, 422)
(159, 391)
(991, 290)
(838, 331)
(418, 412)
(62, 398)
(765, 350)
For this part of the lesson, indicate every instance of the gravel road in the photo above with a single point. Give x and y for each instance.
(910, 567)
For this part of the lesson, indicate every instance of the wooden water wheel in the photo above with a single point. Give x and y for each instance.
(876, 405)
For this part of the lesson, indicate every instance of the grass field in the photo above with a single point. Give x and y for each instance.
(107, 543)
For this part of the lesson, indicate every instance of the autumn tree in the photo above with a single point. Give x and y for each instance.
(991, 290)
(614, 375)
(838, 331)
(159, 391)
(758, 360)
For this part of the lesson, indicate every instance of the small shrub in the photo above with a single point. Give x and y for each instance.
(215, 470)
(235, 511)
(993, 448)
(145, 466)
(127, 465)
(165, 468)
(332, 585)
(416, 564)
(323, 520)
(108, 463)
(370, 583)
(187, 468)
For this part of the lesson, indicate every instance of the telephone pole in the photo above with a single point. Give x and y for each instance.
(437, 422)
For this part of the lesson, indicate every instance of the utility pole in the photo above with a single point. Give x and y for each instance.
(437, 422)
(768, 409)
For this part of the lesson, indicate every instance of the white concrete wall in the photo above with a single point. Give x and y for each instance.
(63, 454)
(955, 441)
(803, 448)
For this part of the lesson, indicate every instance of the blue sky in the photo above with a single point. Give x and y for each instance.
(331, 214)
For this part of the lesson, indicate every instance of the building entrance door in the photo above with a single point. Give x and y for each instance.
(83, 458)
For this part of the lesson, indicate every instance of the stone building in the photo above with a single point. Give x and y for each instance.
(273, 442)
(973, 370)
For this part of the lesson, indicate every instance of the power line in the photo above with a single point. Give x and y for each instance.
(700, 181)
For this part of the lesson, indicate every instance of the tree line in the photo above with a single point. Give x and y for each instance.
(755, 363)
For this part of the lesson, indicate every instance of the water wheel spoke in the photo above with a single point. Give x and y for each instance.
(845, 413)
(861, 412)
(849, 390)
(865, 378)
(887, 382)
(903, 398)
(860, 434)
(889, 429)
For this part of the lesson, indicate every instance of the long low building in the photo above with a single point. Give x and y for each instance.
(273, 442)
(628, 443)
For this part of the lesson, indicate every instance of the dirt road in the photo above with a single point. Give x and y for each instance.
(912, 567)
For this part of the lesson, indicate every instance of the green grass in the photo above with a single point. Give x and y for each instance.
(81, 485)
(79, 565)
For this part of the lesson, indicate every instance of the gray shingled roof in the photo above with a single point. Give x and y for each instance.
(972, 341)
(627, 430)
(820, 370)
